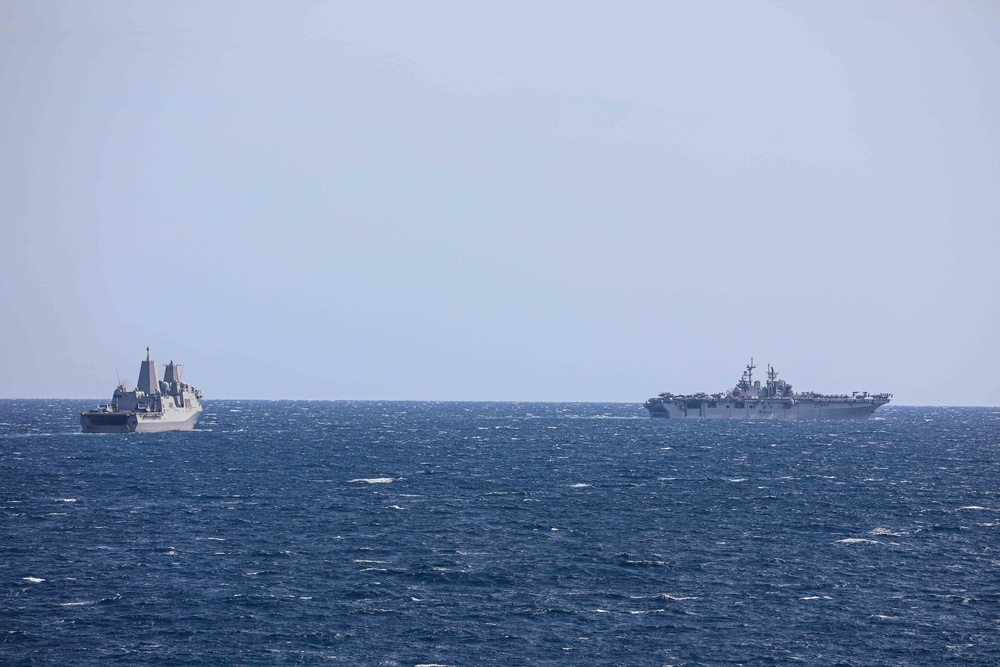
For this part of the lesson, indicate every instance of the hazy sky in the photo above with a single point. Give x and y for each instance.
(526, 201)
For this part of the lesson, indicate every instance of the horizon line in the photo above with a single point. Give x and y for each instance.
(458, 400)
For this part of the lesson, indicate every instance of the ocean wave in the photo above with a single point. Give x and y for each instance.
(655, 552)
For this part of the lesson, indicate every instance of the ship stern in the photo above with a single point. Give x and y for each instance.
(108, 422)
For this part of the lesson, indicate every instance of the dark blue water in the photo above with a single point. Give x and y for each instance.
(498, 534)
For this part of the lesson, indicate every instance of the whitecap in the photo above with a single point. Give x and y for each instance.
(66, 500)
(74, 604)
(395, 507)
(857, 540)
(976, 507)
(579, 486)
(816, 597)
(373, 480)
(34, 580)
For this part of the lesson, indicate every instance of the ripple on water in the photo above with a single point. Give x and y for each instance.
(494, 534)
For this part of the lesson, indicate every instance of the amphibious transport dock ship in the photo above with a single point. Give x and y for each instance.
(775, 400)
(167, 405)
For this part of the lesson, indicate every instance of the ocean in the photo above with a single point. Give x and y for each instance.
(424, 533)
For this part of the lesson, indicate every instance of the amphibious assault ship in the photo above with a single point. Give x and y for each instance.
(775, 400)
(167, 405)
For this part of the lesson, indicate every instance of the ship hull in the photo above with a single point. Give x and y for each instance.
(133, 422)
(801, 410)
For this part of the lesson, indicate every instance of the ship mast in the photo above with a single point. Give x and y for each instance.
(750, 368)
(147, 377)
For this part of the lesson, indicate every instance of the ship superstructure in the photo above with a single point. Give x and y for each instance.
(154, 405)
(772, 400)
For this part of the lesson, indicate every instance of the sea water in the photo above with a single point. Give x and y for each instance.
(391, 533)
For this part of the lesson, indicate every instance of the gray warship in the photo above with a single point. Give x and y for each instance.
(774, 400)
(167, 405)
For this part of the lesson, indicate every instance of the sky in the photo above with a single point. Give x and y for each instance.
(560, 201)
